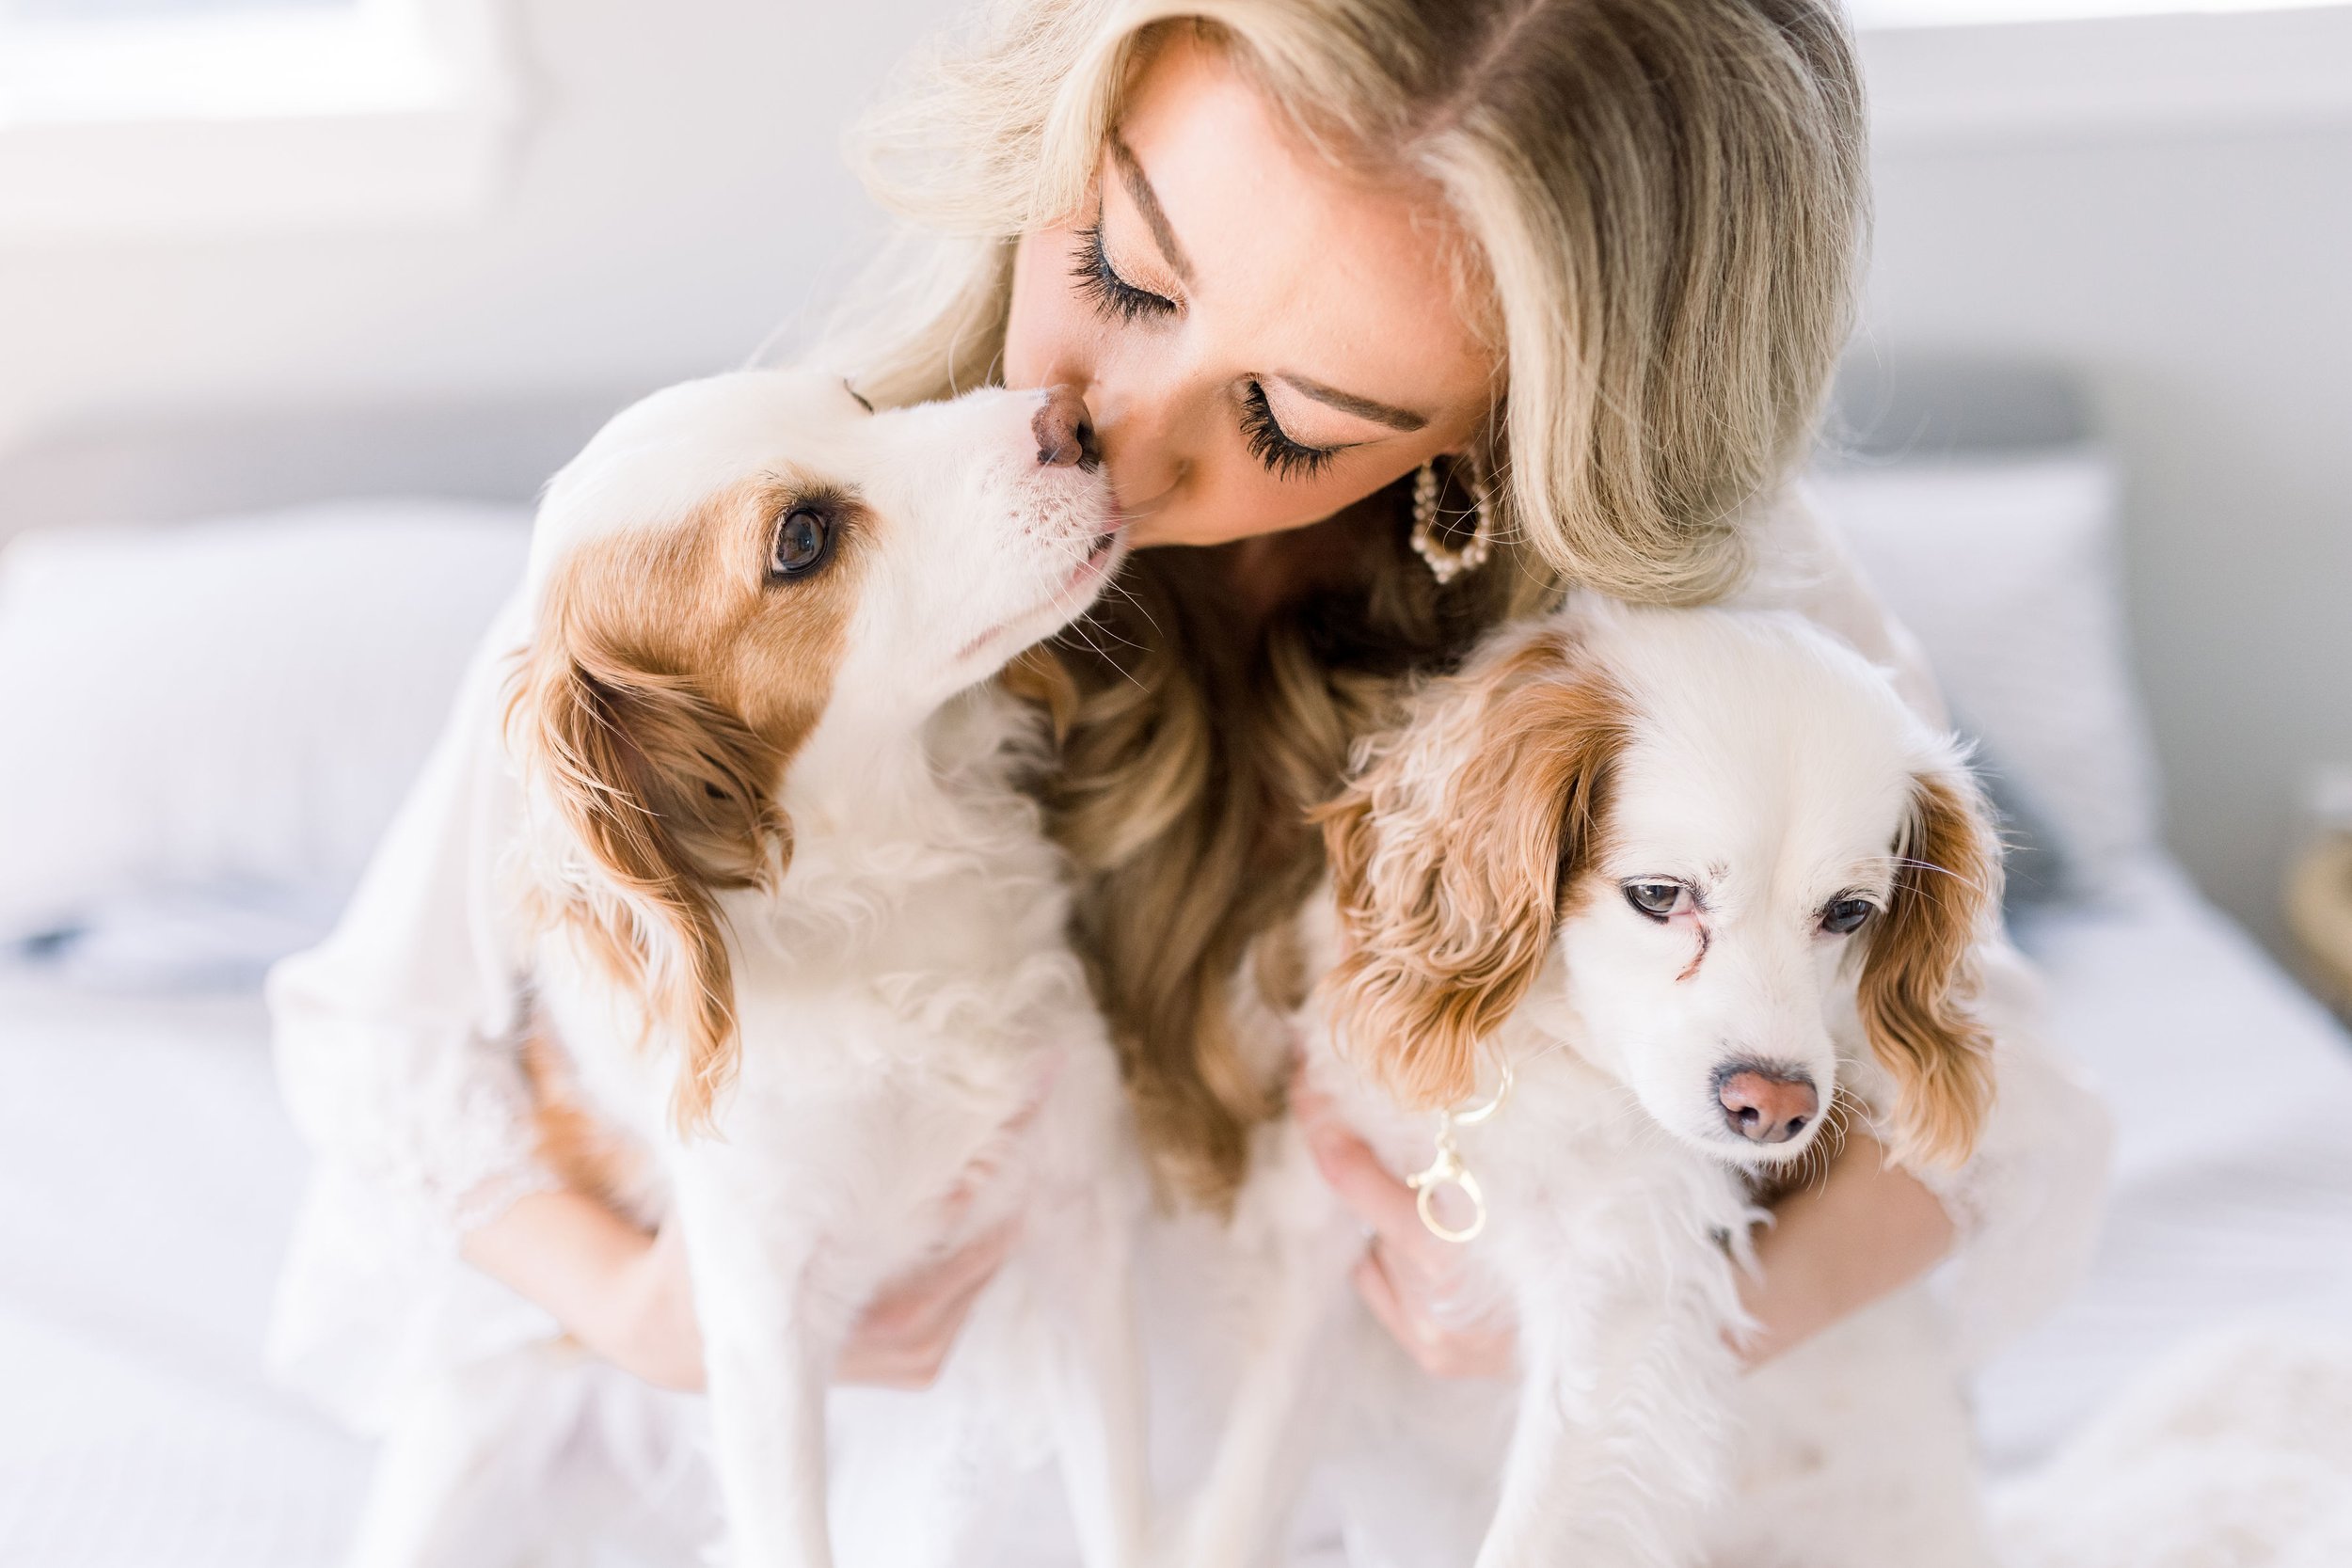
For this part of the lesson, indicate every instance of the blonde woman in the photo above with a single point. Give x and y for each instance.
(1395, 317)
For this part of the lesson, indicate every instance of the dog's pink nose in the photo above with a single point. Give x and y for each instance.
(1065, 431)
(1766, 1105)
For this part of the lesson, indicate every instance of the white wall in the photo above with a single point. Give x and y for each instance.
(2203, 283)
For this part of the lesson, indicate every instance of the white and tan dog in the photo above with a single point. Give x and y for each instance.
(1696, 885)
(797, 940)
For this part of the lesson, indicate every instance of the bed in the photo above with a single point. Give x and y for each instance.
(148, 1178)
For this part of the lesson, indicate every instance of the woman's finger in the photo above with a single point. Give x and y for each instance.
(921, 1305)
(1372, 1283)
(1436, 1349)
(902, 1338)
(1308, 1104)
(1390, 1208)
(1432, 1350)
(1364, 1184)
(958, 1199)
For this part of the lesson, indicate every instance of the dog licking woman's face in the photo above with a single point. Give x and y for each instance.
(731, 564)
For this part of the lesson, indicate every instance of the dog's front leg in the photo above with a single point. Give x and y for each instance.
(467, 1472)
(1283, 1396)
(1081, 1252)
(766, 1358)
(1622, 1427)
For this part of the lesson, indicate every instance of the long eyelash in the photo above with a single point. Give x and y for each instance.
(1113, 296)
(1270, 444)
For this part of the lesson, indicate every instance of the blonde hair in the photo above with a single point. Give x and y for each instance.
(1663, 203)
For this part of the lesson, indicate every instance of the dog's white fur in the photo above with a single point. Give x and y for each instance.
(1770, 769)
(906, 1010)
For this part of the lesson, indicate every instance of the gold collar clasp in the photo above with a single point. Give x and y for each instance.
(1446, 1169)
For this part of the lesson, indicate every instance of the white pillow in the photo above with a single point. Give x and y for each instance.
(231, 708)
(2007, 570)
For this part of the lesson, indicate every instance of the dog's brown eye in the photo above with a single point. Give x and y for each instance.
(803, 542)
(1657, 900)
(1846, 915)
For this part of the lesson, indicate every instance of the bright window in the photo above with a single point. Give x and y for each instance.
(172, 114)
(65, 60)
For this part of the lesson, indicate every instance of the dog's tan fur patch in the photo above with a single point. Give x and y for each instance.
(669, 687)
(1450, 855)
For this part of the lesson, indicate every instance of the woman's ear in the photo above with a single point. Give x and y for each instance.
(670, 796)
(1448, 854)
(1919, 984)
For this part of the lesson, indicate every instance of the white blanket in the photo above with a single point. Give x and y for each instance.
(147, 1179)
(147, 1182)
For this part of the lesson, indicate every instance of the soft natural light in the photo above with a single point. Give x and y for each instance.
(63, 61)
(1962, 13)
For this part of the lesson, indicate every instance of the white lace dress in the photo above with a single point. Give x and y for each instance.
(395, 1041)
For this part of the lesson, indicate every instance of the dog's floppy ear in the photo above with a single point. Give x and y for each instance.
(670, 794)
(1919, 987)
(1450, 853)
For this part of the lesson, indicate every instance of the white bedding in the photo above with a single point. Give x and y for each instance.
(2233, 1193)
(148, 1180)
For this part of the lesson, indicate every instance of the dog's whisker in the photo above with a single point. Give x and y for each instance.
(1971, 883)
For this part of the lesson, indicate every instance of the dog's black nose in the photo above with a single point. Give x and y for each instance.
(1065, 431)
(1765, 1103)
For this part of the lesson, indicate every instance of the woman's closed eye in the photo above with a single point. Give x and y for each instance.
(1113, 296)
(1118, 300)
(1273, 446)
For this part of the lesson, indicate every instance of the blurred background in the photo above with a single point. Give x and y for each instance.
(300, 300)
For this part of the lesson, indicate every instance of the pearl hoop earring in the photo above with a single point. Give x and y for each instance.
(1445, 561)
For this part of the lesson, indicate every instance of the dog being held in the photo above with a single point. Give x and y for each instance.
(797, 948)
(1674, 893)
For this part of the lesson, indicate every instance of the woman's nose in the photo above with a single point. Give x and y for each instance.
(1141, 432)
(1065, 430)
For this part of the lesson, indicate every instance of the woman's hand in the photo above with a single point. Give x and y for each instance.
(1418, 1286)
(901, 1342)
(1866, 1229)
(646, 1324)
(628, 1296)
(1861, 1233)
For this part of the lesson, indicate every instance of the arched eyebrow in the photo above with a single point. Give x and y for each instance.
(1348, 403)
(1147, 202)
